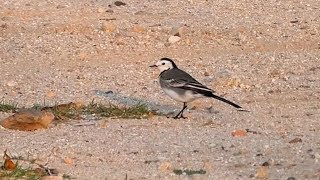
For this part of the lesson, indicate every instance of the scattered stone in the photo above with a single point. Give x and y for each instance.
(119, 3)
(265, 164)
(138, 29)
(173, 39)
(177, 31)
(239, 133)
(28, 120)
(108, 19)
(83, 56)
(253, 132)
(295, 140)
(51, 94)
(4, 26)
(206, 73)
(12, 83)
(108, 92)
(101, 10)
(109, 11)
(108, 27)
(294, 21)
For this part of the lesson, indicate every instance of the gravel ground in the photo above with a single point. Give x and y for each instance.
(263, 55)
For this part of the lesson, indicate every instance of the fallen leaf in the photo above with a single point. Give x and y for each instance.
(68, 160)
(51, 94)
(28, 120)
(239, 133)
(165, 167)
(8, 165)
(262, 173)
(103, 123)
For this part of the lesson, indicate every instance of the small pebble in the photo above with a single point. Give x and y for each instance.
(173, 39)
(11, 83)
(119, 3)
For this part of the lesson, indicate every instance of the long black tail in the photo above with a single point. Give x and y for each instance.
(224, 100)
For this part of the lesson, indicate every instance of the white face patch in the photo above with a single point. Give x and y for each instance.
(164, 65)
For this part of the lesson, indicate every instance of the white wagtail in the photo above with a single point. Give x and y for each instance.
(182, 87)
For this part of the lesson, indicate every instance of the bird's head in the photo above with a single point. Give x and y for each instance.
(164, 64)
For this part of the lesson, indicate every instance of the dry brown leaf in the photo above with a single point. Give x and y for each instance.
(8, 165)
(68, 160)
(28, 120)
(103, 124)
(262, 173)
(51, 94)
(165, 167)
(239, 133)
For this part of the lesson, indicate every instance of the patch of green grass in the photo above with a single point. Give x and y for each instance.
(138, 111)
(66, 113)
(21, 173)
(188, 172)
(37, 106)
(7, 107)
(72, 110)
(67, 177)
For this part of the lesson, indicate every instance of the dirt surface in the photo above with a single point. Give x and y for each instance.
(264, 55)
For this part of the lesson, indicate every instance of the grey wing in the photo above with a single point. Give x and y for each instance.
(184, 84)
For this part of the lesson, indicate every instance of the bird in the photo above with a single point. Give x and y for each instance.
(182, 87)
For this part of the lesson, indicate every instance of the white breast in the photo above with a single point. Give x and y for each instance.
(188, 96)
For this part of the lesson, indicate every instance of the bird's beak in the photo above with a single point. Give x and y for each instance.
(153, 66)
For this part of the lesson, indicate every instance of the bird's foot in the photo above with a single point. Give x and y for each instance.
(179, 116)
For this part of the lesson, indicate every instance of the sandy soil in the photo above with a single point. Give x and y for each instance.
(263, 55)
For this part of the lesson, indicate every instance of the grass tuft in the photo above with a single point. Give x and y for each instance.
(7, 107)
(21, 173)
(63, 112)
(138, 111)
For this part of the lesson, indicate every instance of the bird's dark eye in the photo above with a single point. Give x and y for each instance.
(163, 63)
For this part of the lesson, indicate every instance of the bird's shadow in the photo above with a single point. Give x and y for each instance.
(132, 101)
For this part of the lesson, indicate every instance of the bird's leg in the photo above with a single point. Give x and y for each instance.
(180, 114)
